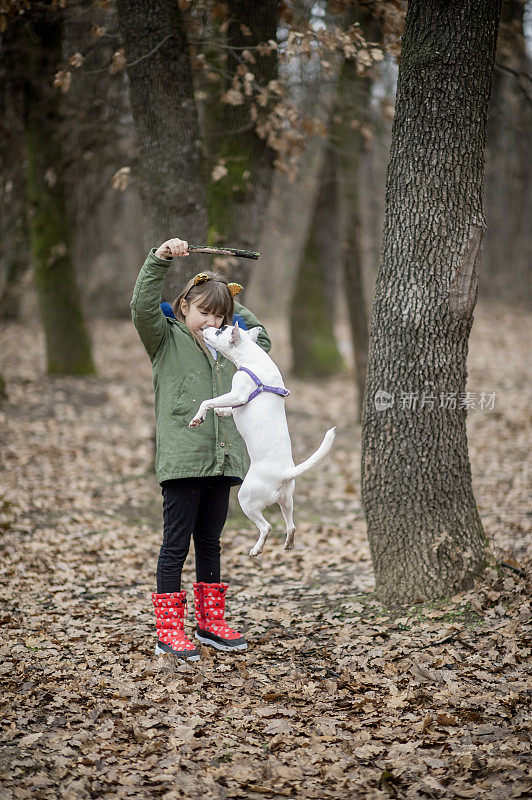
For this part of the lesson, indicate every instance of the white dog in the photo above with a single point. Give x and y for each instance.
(256, 401)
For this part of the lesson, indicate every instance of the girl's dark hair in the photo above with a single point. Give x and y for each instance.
(212, 296)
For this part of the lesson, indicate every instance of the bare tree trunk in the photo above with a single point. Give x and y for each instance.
(291, 204)
(356, 307)
(237, 200)
(14, 235)
(425, 533)
(314, 350)
(162, 98)
(98, 140)
(284, 235)
(15, 257)
(67, 343)
(351, 109)
(509, 166)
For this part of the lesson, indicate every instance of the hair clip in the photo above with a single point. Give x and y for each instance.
(234, 288)
(202, 277)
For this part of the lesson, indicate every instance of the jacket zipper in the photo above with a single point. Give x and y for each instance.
(221, 419)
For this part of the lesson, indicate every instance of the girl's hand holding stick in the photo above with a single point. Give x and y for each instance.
(172, 249)
(177, 247)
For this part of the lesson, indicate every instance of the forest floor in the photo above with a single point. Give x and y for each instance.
(336, 696)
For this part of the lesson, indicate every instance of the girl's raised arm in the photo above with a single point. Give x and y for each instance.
(146, 313)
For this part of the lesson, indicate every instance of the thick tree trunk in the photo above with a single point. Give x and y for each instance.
(67, 343)
(314, 350)
(173, 184)
(236, 202)
(425, 533)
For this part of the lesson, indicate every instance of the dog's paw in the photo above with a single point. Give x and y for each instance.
(289, 541)
(255, 551)
(196, 422)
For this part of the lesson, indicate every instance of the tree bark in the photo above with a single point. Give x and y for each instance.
(173, 183)
(425, 533)
(67, 343)
(314, 350)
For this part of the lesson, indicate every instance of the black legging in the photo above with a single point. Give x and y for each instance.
(197, 507)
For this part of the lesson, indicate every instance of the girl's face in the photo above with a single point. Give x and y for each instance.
(197, 318)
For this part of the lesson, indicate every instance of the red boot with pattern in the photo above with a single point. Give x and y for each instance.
(170, 612)
(209, 603)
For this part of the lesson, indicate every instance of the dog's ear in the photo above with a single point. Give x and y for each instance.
(235, 336)
(254, 333)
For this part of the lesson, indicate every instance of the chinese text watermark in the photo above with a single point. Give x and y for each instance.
(414, 401)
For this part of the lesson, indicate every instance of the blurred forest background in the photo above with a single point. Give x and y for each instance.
(280, 147)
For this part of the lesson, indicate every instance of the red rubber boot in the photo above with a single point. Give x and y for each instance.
(209, 603)
(170, 611)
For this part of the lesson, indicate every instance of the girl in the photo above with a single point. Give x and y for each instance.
(196, 467)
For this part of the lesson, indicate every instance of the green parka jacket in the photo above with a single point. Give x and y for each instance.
(184, 375)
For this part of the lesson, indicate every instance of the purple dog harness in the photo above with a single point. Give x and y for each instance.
(260, 387)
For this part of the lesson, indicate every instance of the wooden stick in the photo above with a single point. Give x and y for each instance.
(216, 251)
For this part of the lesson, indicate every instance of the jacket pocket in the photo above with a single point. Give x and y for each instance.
(187, 396)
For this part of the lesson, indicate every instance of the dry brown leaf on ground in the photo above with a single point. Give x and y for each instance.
(336, 696)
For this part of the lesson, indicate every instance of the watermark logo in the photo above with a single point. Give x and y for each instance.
(450, 401)
(383, 400)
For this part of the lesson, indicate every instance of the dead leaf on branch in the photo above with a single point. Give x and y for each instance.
(219, 171)
(121, 179)
(233, 97)
(63, 79)
(118, 62)
(76, 60)
(98, 31)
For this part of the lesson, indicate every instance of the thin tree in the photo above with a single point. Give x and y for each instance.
(15, 259)
(508, 192)
(333, 240)
(106, 213)
(242, 179)
(424, 529)
(67, 343)
(351, 108)
(315, 352)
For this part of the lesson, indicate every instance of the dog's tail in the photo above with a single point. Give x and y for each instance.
(314, 459)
